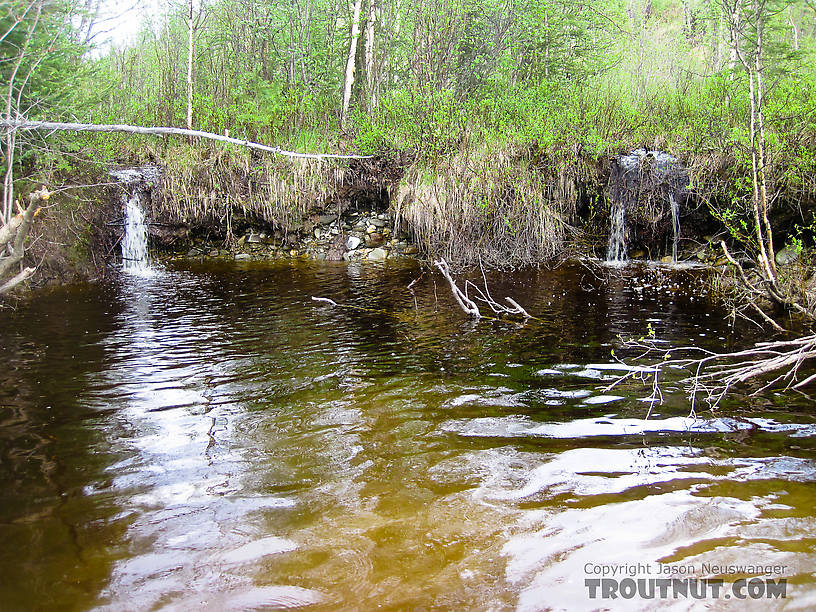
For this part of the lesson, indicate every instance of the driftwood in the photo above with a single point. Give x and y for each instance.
(461, 297)
(14, 234)
(50, 126)
(469, 305)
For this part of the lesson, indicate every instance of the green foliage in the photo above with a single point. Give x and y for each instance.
(539, 81)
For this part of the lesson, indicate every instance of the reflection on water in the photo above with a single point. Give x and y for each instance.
(211, 438)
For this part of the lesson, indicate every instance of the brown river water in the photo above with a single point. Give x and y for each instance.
(209, 438)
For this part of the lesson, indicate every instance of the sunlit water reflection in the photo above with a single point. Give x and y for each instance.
(210, 438)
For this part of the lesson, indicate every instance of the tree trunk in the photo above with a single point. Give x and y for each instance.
(760, 111)
(10, 138)
(369, 52)
(350, 64)
(794, 29)
(190, 52)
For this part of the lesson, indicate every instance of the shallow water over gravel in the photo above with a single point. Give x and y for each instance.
(210, 438)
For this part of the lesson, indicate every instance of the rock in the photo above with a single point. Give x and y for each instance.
(374, 240)
(667, 259)
(193, 253)
(254, 239)
(384, 217)
(377, 254)
(371, 229)
(352, 243)
(317, 233)
(361, 223)
(327, 219)
(336, 249)
(242, 240)
(786, 256)
(321, 256)
(411, 249)
(379, 222)
(213, 253)
(335, 230)
(243, 257)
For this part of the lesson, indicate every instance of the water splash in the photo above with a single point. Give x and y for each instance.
(135, 256)
(643, 176)
(616, 249)
(675, 212)
(134, 242)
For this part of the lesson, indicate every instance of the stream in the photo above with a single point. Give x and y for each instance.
(208, 437)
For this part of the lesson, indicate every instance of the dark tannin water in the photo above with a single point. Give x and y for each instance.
(210, 438)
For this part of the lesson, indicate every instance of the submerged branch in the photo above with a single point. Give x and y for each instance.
(469, 305)
(461, 297)
(50, 126)
(713, 374)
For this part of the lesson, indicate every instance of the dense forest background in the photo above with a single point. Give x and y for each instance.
(428, 75)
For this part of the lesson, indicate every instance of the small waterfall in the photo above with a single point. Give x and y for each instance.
(616, 249)
(640, 186)
(134, 242)
(675, 212)
(139, 182)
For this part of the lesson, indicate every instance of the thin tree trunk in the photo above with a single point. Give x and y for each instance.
(10, 138)
(760, 110)
(794, 29)
(757, 134)
(190, 52)
(350, 64)
(369, 52)
(546, 45)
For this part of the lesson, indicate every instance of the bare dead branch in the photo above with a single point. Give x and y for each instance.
(16, 280)
(465, 303)
(712, 375)
(24, 125)
(327, 300)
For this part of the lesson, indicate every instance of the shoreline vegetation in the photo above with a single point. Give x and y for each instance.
(496, 131)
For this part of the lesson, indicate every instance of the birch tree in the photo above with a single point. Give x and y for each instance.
(195, 19)
(348, 81)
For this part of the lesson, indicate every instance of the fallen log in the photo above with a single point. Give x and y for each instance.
(51, 126)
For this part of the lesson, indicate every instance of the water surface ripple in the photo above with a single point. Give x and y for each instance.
(209, 437)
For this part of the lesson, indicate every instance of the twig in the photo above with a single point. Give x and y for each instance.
(327, 300)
